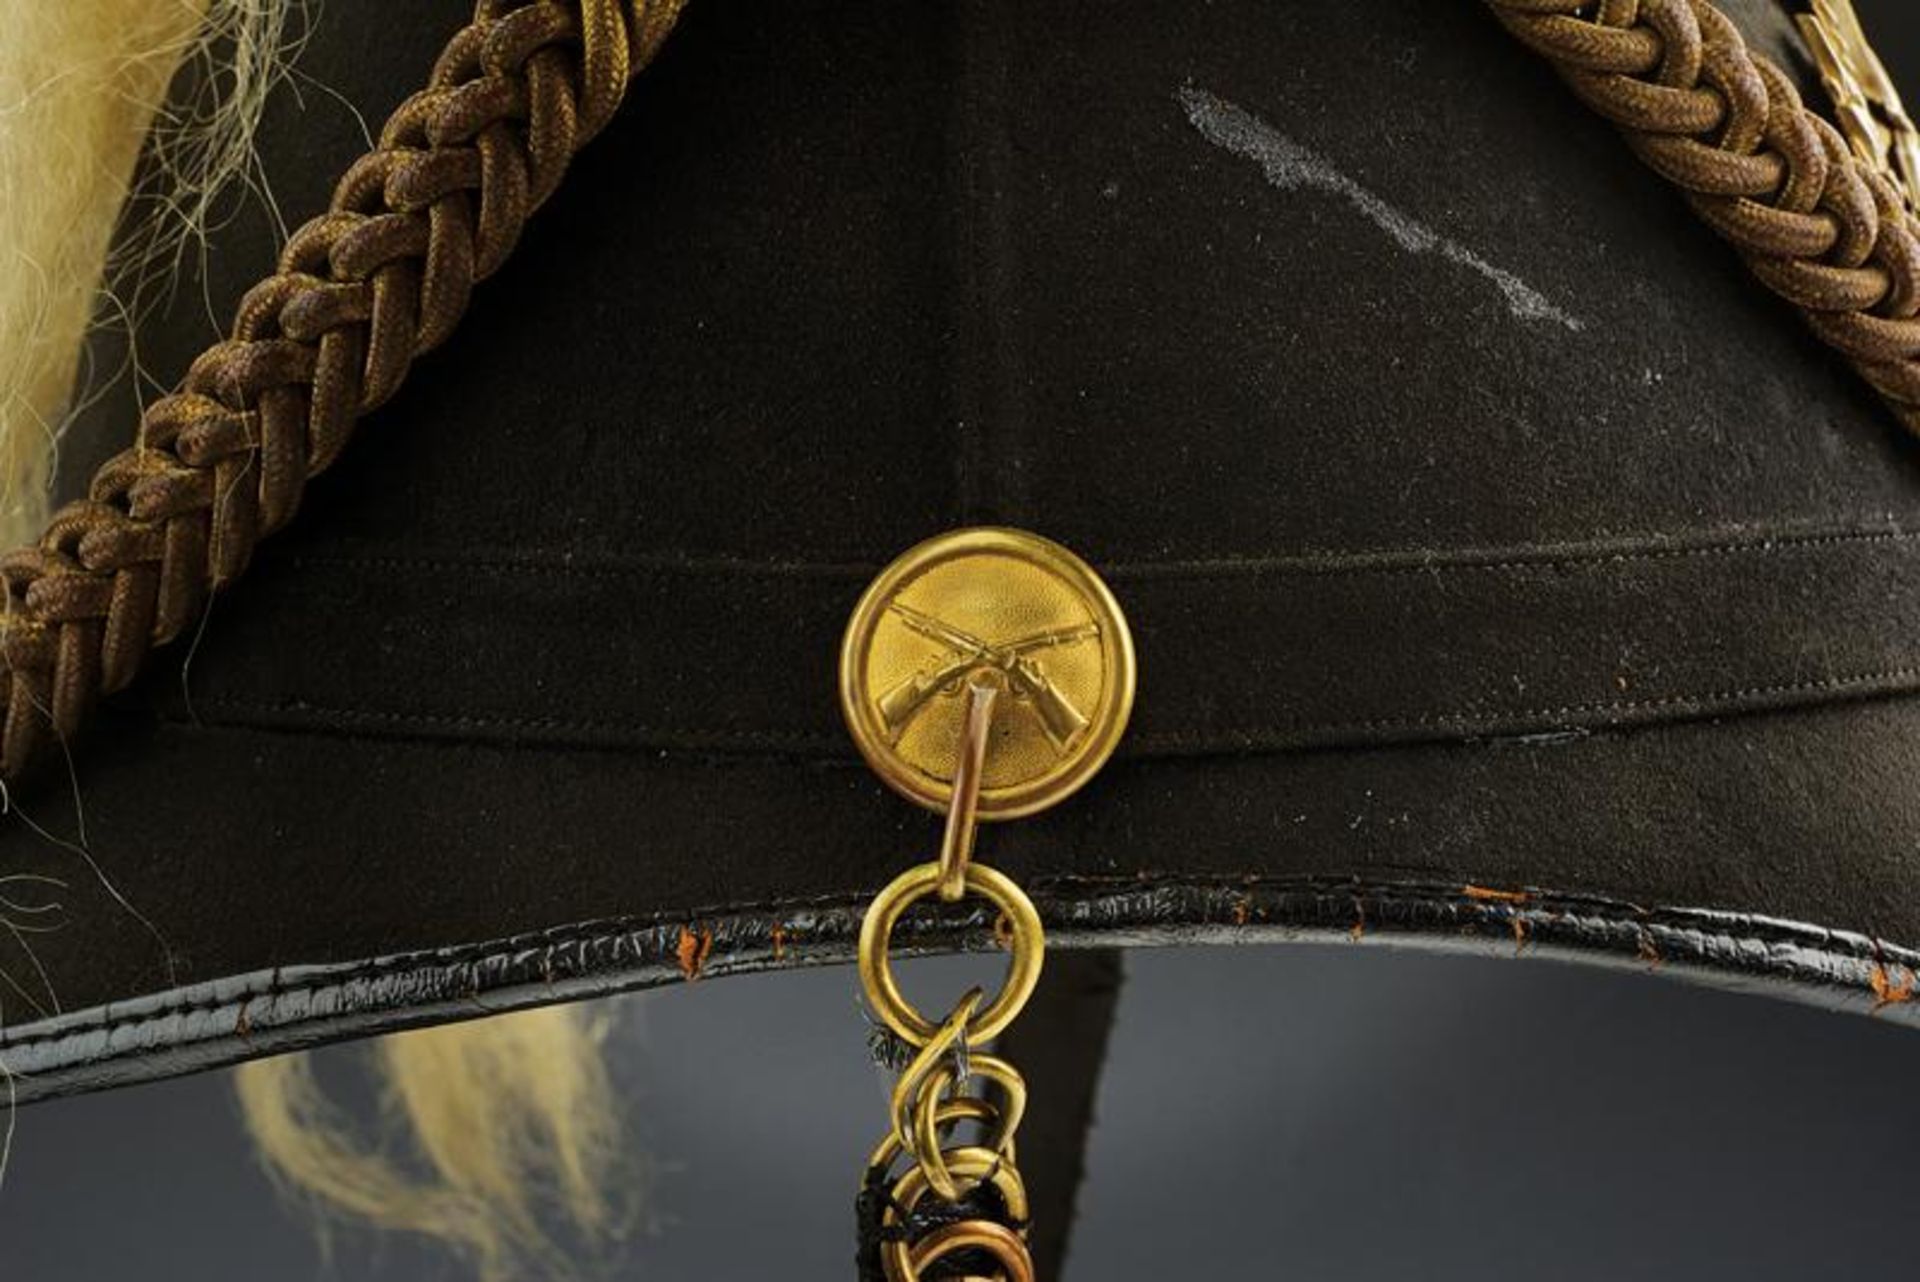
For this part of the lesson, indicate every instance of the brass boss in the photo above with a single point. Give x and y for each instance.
(996, 604)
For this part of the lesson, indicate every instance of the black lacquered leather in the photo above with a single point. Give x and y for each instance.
(225, 1021)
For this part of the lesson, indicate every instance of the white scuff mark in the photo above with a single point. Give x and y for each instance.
(1292, 167)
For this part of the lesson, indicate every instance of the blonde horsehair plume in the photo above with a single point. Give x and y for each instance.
(80, 84)
(505, 1116)
(84, 114)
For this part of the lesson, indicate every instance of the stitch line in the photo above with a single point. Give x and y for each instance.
(1886, 680)
(1354, 562)
(1502, 561)
(776, 740)
(625, 567)
(1466, 723)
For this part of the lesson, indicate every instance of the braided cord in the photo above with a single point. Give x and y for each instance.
(360, 291)
(1822, 228)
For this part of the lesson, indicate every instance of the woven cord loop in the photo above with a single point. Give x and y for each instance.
(1819, 225)
(360, 291)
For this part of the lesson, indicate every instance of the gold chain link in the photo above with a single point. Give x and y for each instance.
(931, 1097)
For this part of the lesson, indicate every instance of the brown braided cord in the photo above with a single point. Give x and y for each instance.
(1819, 226)
(360, 291)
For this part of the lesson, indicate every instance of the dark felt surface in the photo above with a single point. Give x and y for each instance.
(1422, 588)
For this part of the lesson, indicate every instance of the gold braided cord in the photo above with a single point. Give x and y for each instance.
(1819, 225)
(360, 291)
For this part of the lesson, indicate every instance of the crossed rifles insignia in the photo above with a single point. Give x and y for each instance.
(966, 654)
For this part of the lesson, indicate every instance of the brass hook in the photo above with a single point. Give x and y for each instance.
(963, 815)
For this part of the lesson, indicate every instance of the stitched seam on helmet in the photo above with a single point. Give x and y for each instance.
(1467, 723)
(1354, 562)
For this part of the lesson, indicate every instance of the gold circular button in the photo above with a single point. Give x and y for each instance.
(988, 604)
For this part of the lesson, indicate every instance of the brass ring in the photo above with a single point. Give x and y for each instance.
(876, 969)
(997, 1240)
(979, 1164)
(976, 1164)
(927, 1112)
(946, 1046)
(952, 1113)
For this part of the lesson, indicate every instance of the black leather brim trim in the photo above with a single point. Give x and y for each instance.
(210, 1025)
